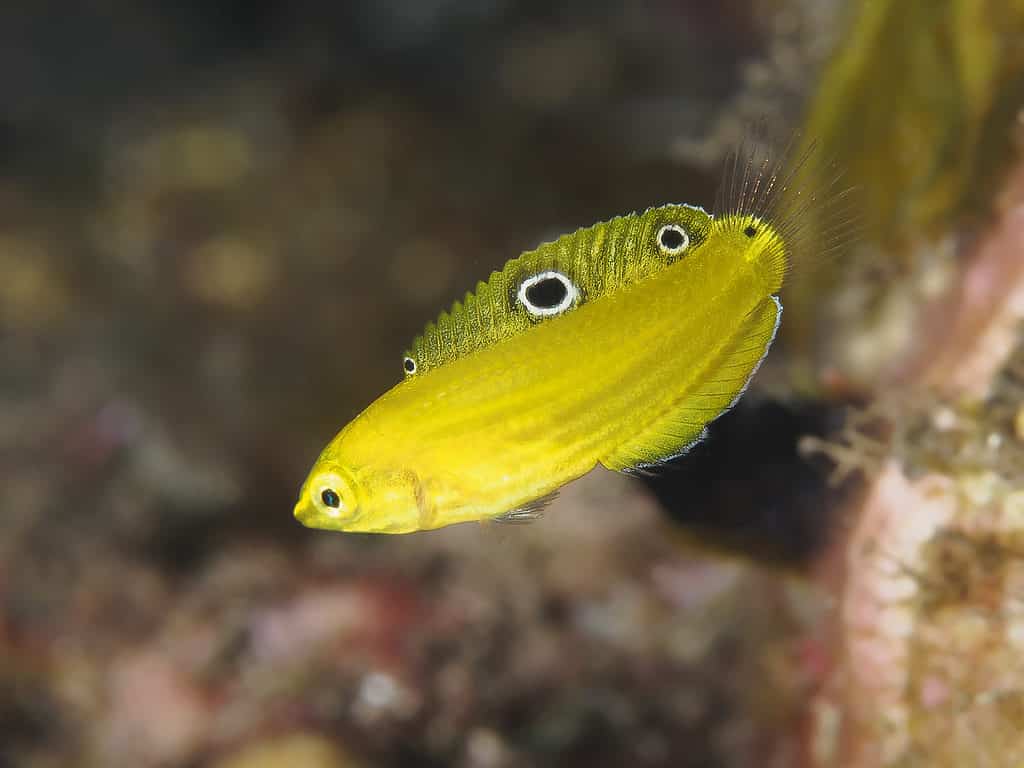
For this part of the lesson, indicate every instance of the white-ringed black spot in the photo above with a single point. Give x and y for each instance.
(409, 365)
(673, 239)
(547, 294)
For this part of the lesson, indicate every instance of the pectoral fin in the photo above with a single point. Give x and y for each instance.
(528, 512)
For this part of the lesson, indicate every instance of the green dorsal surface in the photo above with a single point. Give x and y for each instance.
(556, 277)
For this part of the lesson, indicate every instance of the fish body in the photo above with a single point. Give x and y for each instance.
(615, 345)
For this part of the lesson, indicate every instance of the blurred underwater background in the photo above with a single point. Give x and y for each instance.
(220, 225)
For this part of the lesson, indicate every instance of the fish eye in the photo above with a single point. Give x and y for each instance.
(409, 365)
(329, 495)
(750, 231)
(673, 240)
(547, 294)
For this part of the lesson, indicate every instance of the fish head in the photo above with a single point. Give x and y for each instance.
(337, 497)
(329, 497)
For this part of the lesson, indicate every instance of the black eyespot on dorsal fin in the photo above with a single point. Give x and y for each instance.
(547, 294)
(673, 239)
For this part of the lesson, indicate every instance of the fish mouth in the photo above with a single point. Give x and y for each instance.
(312, 516)
(307, 515)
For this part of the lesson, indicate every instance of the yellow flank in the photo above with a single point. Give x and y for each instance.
(616, 345)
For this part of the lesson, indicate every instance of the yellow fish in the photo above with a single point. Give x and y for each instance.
(615, 345)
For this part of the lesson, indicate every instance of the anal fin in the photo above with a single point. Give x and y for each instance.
(685, 423)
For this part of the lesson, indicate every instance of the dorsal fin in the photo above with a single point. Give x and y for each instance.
(596, 260)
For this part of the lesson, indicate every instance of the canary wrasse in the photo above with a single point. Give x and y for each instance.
(616, 345)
